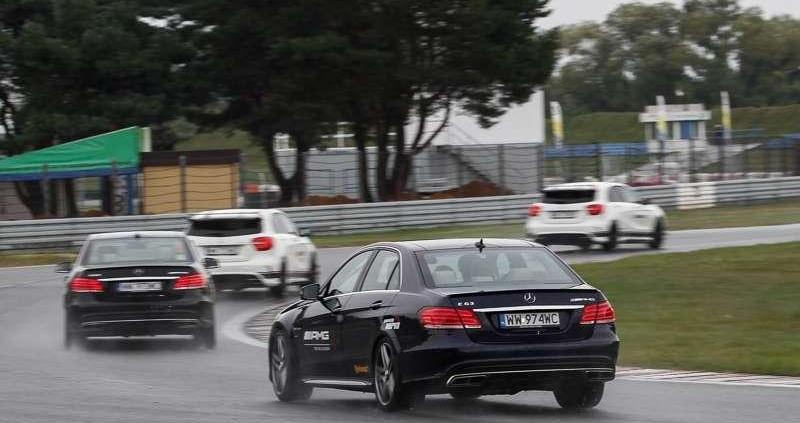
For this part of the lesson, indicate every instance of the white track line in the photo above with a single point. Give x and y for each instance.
(708, 378)
(234, 328)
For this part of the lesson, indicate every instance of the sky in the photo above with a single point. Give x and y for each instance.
(567, 12)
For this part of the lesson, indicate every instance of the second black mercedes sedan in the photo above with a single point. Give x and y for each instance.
(457, 316)
(138, 284)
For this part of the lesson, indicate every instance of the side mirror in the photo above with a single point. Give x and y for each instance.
(310, 291)
(304, 232)
(210, 263)
(64, 267)
(644, 201)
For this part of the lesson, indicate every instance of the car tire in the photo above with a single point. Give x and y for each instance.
(279, 289)
(206, 337)
(577, 395)
(283, 370)
(611, 244)
(390, 393)
(658, 235)
(464, 394)
(71, 337)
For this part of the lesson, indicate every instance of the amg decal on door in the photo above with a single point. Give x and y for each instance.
(316, 335)
(391, 324)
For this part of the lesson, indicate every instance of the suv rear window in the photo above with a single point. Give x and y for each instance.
(225, 227)
(568, 196)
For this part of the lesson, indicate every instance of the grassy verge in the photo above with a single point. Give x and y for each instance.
(761, 214)
(731, 309)
(777, 213)
(33, 259)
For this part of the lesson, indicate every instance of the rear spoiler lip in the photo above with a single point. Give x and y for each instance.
(450, 292)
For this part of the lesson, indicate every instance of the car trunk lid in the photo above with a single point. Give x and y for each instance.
(138, 283)
(542, 314)
(566, 204)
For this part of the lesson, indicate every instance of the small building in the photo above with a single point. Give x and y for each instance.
(189, 181)
(685, 122)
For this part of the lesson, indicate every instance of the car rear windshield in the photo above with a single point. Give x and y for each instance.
(225, 227)
(137, 250)
(568, 196)
(494, 266)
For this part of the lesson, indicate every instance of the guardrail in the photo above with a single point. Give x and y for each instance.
(353, 218)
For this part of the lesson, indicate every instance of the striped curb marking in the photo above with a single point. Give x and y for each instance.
(715, 378)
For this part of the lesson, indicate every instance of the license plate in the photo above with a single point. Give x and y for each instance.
(562, 214)
(529, 320)
(139, 286)
(222, 251)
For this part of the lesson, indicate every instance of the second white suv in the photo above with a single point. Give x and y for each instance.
(587, 213)
(254, 248)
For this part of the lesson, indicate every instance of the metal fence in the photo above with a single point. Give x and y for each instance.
(450, 171)
(353, 218)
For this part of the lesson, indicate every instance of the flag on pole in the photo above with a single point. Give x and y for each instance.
(557, 119)
(727, 126)
(661, 124)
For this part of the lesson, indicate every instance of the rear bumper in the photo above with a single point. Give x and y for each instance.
(453, 361)
(130, 319)
(562, 234)
(233, 276)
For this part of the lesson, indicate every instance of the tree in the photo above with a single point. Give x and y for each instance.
(431, 57)
(768, 59)
(708, 27)
(650, 45)
(73, 68)
(267, 68)
(592, 63)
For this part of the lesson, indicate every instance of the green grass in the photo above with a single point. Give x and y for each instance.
(625, 126)
(33, 259)
(776, 213)
(736, 215)
(731, 309)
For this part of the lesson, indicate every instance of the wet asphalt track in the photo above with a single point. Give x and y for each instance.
(168, 380)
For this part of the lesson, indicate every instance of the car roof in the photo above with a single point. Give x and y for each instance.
(133, 234)
(453, 243)
(234, 213)
(583, 185)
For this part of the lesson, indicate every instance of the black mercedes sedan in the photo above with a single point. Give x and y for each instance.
(406, 319)
(138, 284)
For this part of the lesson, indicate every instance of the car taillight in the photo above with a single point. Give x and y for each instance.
(448, 318)
(594, 209)
(79, 284)
(601, 312)
(193, 281)
(534, 210)
(263, 243)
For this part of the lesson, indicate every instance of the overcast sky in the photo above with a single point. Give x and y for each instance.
(572, 11)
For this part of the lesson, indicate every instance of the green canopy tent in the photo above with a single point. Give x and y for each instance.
(111, 154)
(101, 155)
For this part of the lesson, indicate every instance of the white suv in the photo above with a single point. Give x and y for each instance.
(254, 248)
(588, 213)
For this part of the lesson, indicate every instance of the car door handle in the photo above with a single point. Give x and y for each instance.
(376, 305)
